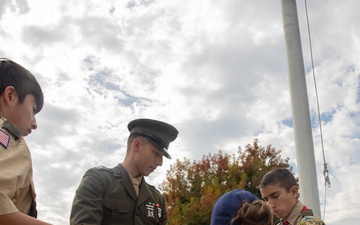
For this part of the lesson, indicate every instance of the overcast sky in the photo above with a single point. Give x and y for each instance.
(216, 70)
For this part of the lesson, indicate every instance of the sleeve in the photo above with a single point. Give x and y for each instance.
(87, 207)
(164, 213)
(311, 220)
(6, 205)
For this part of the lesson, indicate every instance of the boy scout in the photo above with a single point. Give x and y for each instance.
(21, 98)
(279, 189)
(120, 195)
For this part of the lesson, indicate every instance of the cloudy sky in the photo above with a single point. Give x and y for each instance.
(216, 70)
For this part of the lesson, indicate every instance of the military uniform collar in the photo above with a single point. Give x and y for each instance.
(13, 130)
(139, 178)
(144, 193)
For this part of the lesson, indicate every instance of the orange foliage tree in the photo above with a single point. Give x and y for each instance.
(192, 187)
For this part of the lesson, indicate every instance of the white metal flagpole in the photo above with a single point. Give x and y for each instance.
(309, 193)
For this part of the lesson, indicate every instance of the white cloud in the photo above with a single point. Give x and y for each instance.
(215, 69)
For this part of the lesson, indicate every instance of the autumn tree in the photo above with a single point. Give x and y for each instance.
(192, 187)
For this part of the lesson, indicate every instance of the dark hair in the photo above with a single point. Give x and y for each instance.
(131, 138)
(281, 176)
(254, 213)
(24, 82)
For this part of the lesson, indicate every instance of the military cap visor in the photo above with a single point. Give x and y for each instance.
(157, 132)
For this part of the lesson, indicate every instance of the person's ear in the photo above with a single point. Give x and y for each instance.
(9, 94)
(295, 191)
(136, 144)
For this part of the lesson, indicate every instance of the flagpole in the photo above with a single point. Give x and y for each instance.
(309, 192)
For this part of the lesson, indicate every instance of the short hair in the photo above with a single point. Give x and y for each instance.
(257, 212)
(24, 82)
(131, 138)
(281, 176)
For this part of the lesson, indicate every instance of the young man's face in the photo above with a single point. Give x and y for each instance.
(149, 157)
(281, 201)
(23, 115)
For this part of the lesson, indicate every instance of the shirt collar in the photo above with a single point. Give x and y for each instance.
(14, 130)
(294, 212)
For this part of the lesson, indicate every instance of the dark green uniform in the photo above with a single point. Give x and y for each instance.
(107, 196)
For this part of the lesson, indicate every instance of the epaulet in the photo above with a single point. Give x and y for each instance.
(103, 168)
(153, 187)
(307, 212)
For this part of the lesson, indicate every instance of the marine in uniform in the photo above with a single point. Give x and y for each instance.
(120, 195)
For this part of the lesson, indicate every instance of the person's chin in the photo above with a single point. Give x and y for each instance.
(277, 214)
(150, 170)
(145, 173)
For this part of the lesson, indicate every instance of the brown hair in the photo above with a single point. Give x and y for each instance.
(254, 213)
(281, 176)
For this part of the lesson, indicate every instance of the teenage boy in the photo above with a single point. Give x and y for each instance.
(280, 190)
(21, 98)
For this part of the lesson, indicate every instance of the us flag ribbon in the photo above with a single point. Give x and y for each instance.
(4, 139)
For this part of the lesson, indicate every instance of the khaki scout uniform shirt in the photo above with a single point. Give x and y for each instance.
(17, 192)
(106, 196)
(297, 217)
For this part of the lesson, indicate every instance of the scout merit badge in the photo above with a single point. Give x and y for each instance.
(4, 139)
(151, 208)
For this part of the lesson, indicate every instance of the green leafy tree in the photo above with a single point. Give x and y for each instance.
(192, 187)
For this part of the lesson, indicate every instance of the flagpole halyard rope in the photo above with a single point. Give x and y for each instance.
(325, 169)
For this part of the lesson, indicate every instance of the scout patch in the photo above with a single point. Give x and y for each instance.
(4, 139)
(310, 220)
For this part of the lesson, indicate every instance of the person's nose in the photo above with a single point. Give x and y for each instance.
(33, 123)
(159, 160)
(271, 203)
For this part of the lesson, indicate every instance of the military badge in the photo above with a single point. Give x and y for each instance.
(150, 210)
(151, 206)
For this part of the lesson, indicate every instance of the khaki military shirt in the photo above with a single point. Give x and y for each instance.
(106, 196)
(300, 217)
(16, 174)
